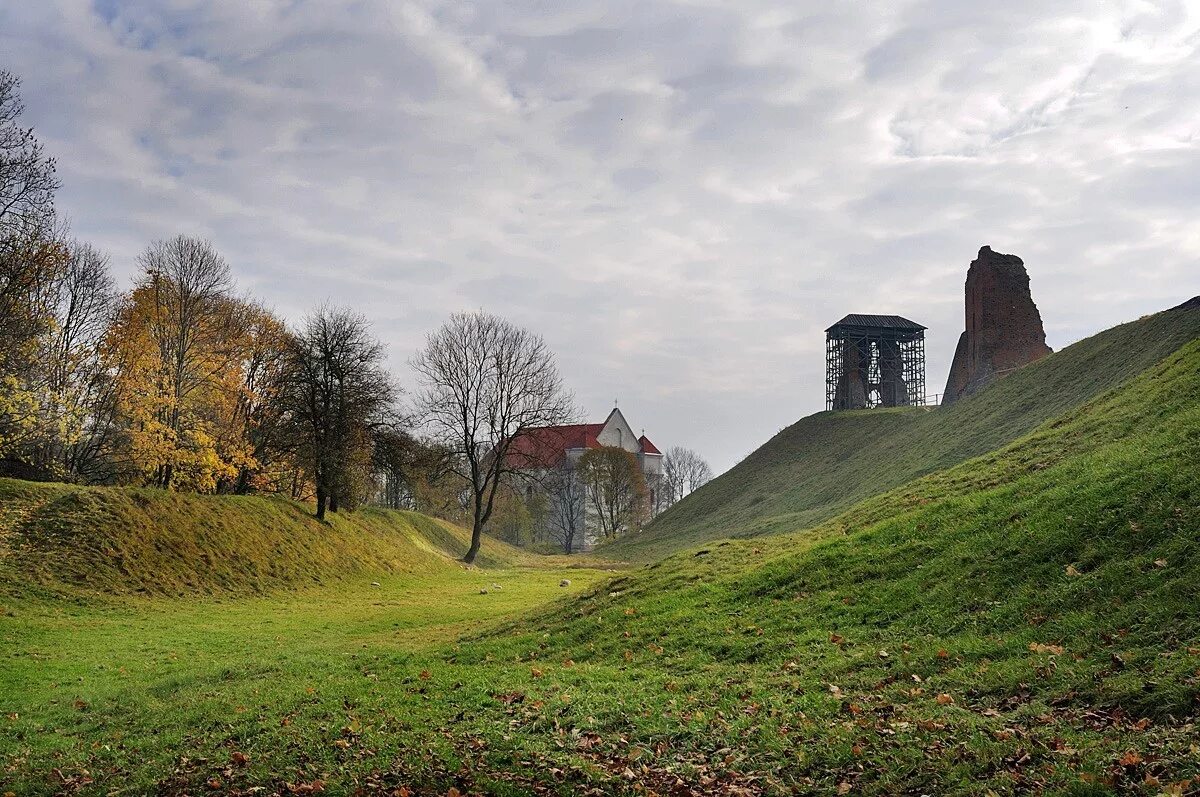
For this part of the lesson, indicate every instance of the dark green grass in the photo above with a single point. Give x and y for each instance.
(825, 463)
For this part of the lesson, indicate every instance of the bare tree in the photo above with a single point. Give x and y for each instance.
(27, 176)
(566, 513)
(684, 471)
(31, 260)
(338, 394)
(79, 409)
(616, 489)
(484, 381)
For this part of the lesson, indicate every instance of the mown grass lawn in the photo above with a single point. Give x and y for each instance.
(136, 695)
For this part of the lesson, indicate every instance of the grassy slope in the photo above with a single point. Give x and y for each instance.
(826, 462)
(160, 543)
(1023, 621)
(1046, 593)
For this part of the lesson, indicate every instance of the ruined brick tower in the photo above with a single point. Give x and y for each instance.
(1004, 328)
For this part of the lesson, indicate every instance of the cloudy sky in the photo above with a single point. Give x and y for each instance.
(679, 196)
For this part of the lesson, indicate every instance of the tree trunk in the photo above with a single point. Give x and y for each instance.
(333, 502)
(476, 539)
(320, 502)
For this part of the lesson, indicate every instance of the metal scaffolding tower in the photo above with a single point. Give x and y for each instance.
(874, 361)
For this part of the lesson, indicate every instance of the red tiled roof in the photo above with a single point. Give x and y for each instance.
(545, 446)
(647, 446)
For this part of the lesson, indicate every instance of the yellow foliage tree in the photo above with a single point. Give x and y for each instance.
(195, 373)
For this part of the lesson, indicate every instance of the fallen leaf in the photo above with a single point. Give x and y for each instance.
(1130, 759)
(1071, 571)
(535, 672)
(425, 675)
(942, 654)
(944, 699)
(1037, 647)
(239, 758)
(836, 639)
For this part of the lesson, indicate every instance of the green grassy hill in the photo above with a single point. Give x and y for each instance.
(1025, 621)
(124, 540)
(826, 462)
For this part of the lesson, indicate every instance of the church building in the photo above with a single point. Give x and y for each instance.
(544, 450)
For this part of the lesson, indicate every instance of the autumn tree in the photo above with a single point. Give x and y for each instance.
(484, 381)
(259, 425)
(31, 261)
(512, 519)
(684, 471)
(337, 395)
(616, 489)
(178, 347)
(416, 474)
(184, 303)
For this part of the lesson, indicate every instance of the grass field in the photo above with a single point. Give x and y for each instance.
(1023, 621)
(138, 695)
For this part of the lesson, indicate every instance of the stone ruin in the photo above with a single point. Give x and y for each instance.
(879, 360)
(1004, 328)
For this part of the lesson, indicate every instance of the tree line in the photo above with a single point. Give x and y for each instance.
(180, 382)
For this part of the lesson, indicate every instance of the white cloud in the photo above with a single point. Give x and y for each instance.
(679, 195)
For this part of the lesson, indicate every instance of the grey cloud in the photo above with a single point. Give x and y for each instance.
(679, 196)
